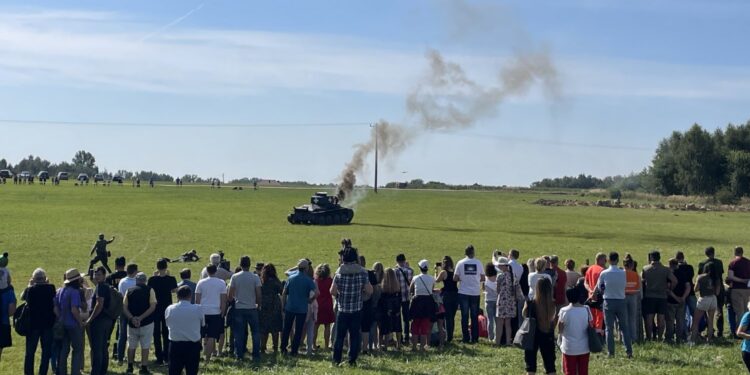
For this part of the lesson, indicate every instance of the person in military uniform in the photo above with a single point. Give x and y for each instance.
(190, 256)
(100, 247)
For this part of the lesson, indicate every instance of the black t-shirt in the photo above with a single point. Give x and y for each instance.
(115, 277)
(163, 287)
(101, 247)
(687, 272)
(40, 299)
(683, 275)
(102, 290)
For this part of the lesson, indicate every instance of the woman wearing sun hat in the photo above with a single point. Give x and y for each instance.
(68, 302)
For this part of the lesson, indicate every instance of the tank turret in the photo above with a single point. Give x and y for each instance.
(322, 210)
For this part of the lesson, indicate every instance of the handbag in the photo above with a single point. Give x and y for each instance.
(524, 338)
(595, 339)
(22, 320)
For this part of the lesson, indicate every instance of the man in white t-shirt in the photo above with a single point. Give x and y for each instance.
(211, 294)
(469, 273)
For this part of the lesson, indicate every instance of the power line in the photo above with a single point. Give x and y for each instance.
(185, 125)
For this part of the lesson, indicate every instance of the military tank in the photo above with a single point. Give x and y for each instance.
(322, 210)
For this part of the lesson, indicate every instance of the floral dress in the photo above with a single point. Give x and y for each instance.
(506, 296)
(270, 308)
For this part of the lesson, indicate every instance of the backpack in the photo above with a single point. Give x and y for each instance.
(22, 320)
(114, 310)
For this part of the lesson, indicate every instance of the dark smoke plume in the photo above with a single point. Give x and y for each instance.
(446, 99)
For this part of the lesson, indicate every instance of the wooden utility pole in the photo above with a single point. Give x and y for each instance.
(376, 158)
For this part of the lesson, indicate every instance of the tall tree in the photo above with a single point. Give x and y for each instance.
(84, 160)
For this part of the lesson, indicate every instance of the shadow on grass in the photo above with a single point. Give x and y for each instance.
(658, 238)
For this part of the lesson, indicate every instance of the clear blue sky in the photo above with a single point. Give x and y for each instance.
(630, 71)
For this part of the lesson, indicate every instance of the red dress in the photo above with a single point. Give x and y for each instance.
(325, 302)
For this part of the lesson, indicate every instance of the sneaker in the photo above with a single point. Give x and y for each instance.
(144, 371)
(130, 369)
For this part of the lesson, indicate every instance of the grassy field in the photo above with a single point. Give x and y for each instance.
(55, 227)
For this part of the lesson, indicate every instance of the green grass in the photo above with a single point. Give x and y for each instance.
(54, 227)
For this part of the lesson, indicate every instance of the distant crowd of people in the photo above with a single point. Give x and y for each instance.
(366, 310)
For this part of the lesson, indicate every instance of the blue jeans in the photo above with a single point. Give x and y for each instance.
(347, 323)
(243, 318)
(32, 340)
(489, 309)
(123, 339)
(690, 303)
(616, 309)
(73, 338)
(299, 324)
(469, 305)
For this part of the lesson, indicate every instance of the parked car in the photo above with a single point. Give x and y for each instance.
(117, 179)
(98, 177)
(43, 175)
(83, 177)
(6, 173)
(63, 176)
(24, 175)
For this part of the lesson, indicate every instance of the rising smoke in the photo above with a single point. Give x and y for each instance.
(446, 100)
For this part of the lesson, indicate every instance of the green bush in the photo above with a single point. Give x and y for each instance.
(725, 196)
(615, 194)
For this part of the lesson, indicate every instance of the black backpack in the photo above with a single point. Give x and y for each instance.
(22, 320)
(114, 310)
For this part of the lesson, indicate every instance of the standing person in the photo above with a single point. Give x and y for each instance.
(163, 286)
(350, 286)
(676, 301)
(326, 317)
(376, 279)
(489, 286)
(470, 274)
(591, 278)
(368, 314)
(688, 273)
(389, 310)
(185, 275)
(542, 308)
(571, 275)
(184, 320)
(707, 287)
(122, 287)
(221, 273)
(99, 324)
(540, 265)
(743, 332)
(102, 255)
(270, 307)
(721, 298)
(561, 280)
(405, 274)
(612, 284)
(739, 276)
(39, 297)
(422, 306)
(68, 303)
(449, 294)
(572, 325)
(655, 278)
(7, 309)
(211, 294)
(139, 305)
(244, 289)
(508, 293)
(632, 298)
(296, 297)
(113, 279)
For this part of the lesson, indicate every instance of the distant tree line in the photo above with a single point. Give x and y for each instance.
(694, 162)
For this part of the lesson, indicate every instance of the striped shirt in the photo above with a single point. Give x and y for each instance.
(405, 275)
